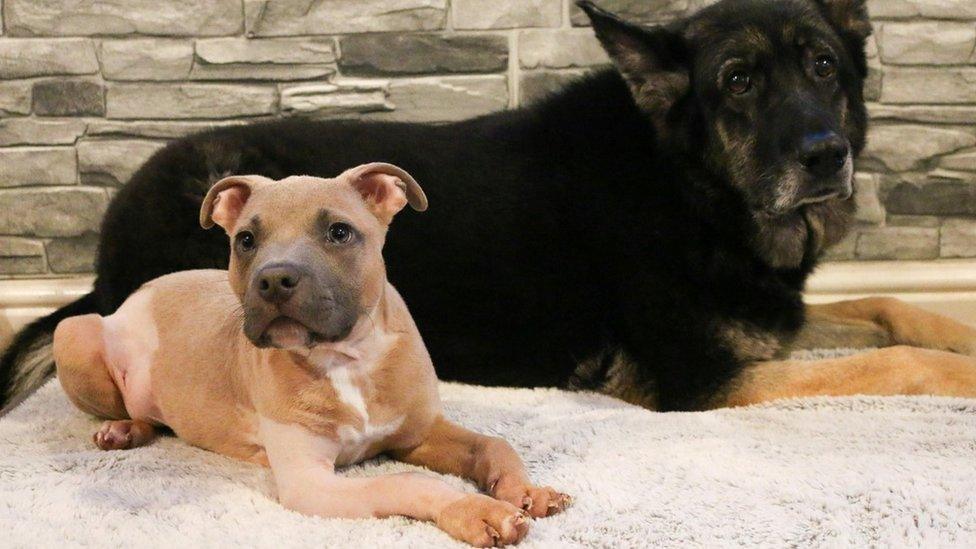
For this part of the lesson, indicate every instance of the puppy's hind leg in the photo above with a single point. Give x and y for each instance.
(79, 354)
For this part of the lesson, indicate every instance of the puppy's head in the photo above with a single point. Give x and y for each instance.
(306, 253)
(769, 93)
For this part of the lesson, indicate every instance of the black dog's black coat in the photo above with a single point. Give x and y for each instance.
(556, 234)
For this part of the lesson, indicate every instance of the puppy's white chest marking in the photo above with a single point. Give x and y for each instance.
(348, 369)
(353, 442)
(347, 391)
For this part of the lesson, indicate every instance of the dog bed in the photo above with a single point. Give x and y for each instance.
(840, 472)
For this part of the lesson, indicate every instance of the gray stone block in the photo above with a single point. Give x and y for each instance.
(936, 9)
(560, 49)
(113, 161)
(20, 256)
(927, 43)
(46, 57)
(506, 14)
(964, 161)
(33, 131)
(337, 99)
(15, 97)
(930, 196)
(874, 82)
(69, 98)
(146, 59)
(843, 250)
(938, 114)
(903, 147)
(958, 238)
(73, 255)
(311, 17)
(111, 17)
(944, 85)
(898, 243)
(869, 208)
(264, 59)
(445, 98)
(152, 129)
(284, 51)
(261, 71)
(22, 166)
(391, 54)
(163, 101)
(56, 212)
(914, 221)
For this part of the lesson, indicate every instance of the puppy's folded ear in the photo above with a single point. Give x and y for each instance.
(226, 199)
(651, 60)
(386, 189)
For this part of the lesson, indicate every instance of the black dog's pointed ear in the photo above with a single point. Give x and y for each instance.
(849, 17)
(851, 21)
(651, 60)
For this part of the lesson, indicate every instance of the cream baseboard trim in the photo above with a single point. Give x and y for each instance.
(944, 286)
(23, 300)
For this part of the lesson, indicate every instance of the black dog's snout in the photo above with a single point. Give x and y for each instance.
(824, 154)
(277, 283)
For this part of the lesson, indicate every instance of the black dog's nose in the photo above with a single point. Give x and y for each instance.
(823, 154)
(277, 283)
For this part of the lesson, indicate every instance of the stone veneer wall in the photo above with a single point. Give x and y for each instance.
(90, 88)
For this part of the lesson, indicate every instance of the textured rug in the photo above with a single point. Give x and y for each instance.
(836, 472)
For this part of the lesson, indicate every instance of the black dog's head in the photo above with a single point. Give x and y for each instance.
(768, 93)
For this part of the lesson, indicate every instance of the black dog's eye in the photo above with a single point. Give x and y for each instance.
(340, 233)
(738, 82)
(245, 241)
(825, 66)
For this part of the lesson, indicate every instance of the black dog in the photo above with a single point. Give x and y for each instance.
(646, 232)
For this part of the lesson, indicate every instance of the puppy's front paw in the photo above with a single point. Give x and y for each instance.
(484, 522)
(538, 501)
(122, 434)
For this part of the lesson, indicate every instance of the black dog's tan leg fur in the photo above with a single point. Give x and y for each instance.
(903, 323)
(923, 362)
(899, 370)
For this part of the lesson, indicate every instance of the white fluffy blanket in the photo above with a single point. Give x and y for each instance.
(835, 472)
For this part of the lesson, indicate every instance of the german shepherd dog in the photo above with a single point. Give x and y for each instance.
(645, 233)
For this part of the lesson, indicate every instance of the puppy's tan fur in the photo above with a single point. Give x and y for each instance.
(175, 354)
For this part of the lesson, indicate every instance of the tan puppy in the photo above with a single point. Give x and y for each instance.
(306, 361)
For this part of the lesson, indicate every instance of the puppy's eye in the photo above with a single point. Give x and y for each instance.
(340, 233)
(825, 66)
(245, 241)
(738, 82)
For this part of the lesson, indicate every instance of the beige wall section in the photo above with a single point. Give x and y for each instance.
(945, 286)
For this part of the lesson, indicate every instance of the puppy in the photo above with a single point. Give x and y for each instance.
(307, 360)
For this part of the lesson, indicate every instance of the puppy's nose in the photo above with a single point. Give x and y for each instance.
(823, 154)
(277, 283)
